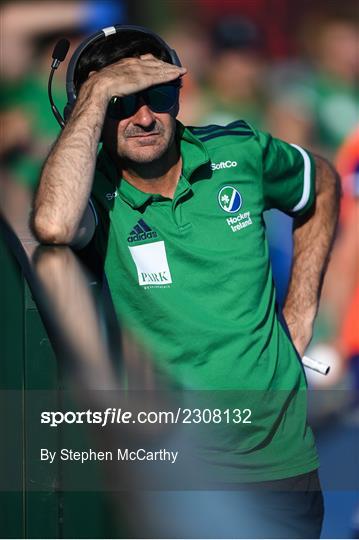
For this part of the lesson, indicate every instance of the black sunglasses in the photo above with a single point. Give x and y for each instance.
(160, 98)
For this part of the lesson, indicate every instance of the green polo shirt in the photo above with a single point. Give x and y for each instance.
(191, 277)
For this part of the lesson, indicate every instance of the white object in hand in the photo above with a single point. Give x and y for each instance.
(315, 365)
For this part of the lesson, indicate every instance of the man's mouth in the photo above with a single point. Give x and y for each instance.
(143, 135)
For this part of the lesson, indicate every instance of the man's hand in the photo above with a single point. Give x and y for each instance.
(313, 236)
(132, 75)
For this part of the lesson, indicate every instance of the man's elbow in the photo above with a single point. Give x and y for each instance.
(327, 180)
(48, 231)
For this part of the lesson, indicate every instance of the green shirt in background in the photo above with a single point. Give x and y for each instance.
(191, 277)
(30, 96)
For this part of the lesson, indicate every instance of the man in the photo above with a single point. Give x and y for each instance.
(180, 233)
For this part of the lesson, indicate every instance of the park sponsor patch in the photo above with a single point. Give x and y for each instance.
(152, 265)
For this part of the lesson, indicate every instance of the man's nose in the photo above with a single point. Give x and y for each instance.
(143, 116)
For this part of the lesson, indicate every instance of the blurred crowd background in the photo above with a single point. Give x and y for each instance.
(290, 68)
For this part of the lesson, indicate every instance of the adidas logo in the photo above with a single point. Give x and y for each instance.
(141, 231)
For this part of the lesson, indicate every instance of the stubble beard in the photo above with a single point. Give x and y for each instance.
(139, 159)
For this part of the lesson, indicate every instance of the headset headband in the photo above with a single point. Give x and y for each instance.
(105, 32)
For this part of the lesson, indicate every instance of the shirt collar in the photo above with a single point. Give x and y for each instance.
(194, 155)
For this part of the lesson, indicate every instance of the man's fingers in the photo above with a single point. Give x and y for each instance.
(131, 75)
(148, 60)
(148, 55)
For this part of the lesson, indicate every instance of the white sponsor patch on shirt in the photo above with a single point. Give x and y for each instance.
(151, 263)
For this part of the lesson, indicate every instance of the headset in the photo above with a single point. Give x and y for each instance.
(61, 50)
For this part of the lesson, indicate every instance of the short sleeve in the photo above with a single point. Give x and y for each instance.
(288, 176)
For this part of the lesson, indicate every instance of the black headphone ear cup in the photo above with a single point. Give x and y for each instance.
(67, 111)
(175, 58)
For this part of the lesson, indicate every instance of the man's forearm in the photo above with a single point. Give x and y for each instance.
(313, 237)
(67, 175)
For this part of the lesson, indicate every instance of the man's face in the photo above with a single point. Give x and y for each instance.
(144, 137)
